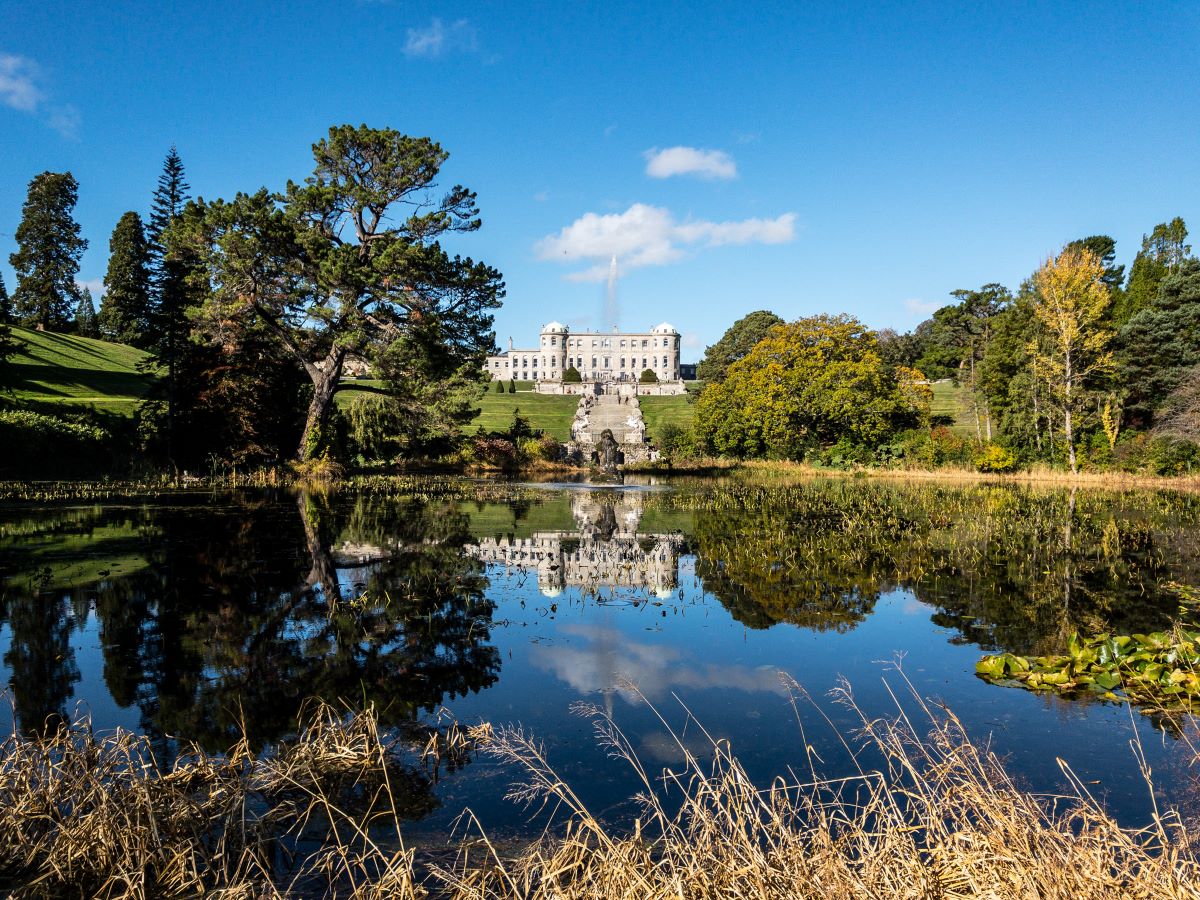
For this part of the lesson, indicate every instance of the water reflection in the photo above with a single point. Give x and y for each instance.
(603, 549)
(243, 610)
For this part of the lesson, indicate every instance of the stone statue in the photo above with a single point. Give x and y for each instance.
(608, 452)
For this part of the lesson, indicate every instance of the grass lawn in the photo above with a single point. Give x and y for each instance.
(948, 401)
(549, 412)
(657, 411)
(552, 413)
(67, 369)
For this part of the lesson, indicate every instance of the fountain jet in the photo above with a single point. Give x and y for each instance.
(612, 315)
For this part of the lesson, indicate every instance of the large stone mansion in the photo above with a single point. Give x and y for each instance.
(601, 358)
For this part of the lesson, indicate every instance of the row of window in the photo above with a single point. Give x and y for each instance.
(578, 361)
(607, 343)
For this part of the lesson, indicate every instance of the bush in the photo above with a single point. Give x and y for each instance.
(499, 387)
(542, 448)
(1172, 456)
(648, 377)
(36, 443)
(494, 451)
(673, 440)
(572, 376)
(994, 458)
(512, 386)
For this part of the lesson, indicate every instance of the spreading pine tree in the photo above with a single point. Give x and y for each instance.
(48, 251)
(85, 316)
(125, 311)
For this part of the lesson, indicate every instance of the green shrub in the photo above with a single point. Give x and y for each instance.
(994, 458)
(674, 440)
(512, 386)
(542, 448)
(499, 387)
(648, 377)
(1168, 455)
(39, 444)
(571, 376)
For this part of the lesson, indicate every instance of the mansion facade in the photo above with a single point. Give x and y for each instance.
(599, 357)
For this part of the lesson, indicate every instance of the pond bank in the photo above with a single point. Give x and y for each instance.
(937, 817)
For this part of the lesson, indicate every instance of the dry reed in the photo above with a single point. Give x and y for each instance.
(937, 816)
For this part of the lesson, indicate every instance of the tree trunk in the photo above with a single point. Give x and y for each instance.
(1068, 430)
(325, 376)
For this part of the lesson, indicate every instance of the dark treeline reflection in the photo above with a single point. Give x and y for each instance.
(222, 613)
(1008, 567)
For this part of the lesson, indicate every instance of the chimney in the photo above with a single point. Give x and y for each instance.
(510, 346)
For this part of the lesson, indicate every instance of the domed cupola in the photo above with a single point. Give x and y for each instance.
(554, 328)
(664, 328)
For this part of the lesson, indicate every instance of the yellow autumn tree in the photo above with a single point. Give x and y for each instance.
(1071, 350)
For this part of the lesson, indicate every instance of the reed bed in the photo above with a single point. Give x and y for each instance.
(933, 816)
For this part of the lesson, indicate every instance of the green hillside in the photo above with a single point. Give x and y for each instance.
(948, 401)
(67, 369)
(658, 411)
(547, 412)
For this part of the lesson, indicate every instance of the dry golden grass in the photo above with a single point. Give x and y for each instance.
(935, 817)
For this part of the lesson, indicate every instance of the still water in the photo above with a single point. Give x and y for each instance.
(191, 616)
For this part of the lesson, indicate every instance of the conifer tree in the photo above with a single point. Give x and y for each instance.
(85, 315)
(5, 303)
(48, 251)
(125, 310)
(169, 275)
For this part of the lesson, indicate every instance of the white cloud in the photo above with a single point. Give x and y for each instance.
(646, 235)
(439, 38)
(923, 308)
(19, 83)
(95, 285)
(672, 161)
(21, 89)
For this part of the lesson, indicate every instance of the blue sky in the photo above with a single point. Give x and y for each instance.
(820, 157)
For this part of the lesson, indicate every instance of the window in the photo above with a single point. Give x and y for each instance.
(535, 361)
(525, 361)
(664, 362)
(644, 343)
(622, 344)
(553, 342)
(622, 360)
(593, 362)
(593, 344)
(644, 362)
(606, 363)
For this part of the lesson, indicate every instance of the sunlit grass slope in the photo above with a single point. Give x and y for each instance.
(948, 401)
(76, 371)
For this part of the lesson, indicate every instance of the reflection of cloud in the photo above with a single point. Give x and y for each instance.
(663, 747)
(611, 658)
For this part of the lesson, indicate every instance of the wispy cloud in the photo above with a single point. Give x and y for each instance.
(439, 38)
(918, 307)
(646, 235)
(21, 88)
(19, 83)
(708, 164)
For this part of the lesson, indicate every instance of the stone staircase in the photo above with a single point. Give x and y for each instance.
(621, 415)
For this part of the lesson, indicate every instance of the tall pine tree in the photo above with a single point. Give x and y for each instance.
(169, 326)
(48, 251)
(125, 311)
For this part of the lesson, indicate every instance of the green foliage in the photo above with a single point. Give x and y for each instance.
(125, 311)
(1161, 343)
(571, 376)
(519, 429)
(512, 386)
(542, 448)
(735, 343)
(50, 445)
(809, 385)
(995, 459)
(6, 309)
(85, 316)
(674, 440)
(648, 377)
(499, 387)
(1163, 253)
(347, 262)
(1161, 669)
(48, 252)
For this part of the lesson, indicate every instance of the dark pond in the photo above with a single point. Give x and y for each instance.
(186, 617)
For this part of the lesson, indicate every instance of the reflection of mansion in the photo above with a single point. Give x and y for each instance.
(605, 551)
(600, 358)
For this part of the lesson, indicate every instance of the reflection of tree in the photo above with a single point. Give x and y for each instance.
(40, 658)
(1008, 567)
(794, 561)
